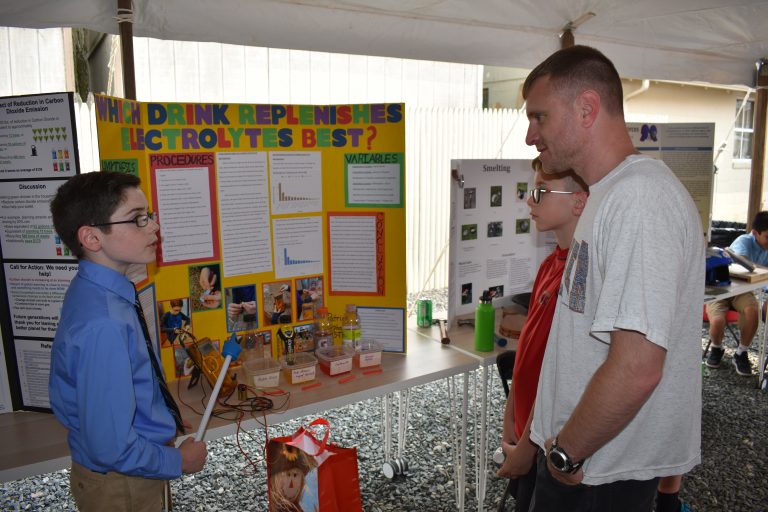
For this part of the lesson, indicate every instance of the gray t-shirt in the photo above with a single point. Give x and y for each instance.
(636, 263)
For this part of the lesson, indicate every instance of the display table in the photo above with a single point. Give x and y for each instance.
(463, 341)
(33, 443)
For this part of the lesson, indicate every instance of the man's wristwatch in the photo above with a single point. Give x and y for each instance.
(561, 461)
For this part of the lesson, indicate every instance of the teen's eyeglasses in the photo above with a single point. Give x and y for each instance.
(140, 220)
(535, 193)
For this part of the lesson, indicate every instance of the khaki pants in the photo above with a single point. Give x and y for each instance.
(114, 491)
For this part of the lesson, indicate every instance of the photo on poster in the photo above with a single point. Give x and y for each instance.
(522, 226)
(182, 363)
(304, 340)
(495, 229)
(496, 292)
(522, 190)
(466, 293)
(470, 198)
(240, 302)
(496, 196)
(205, 287)
(468, 232)
(256, 344)
(173, 314)
(276, 297)
(309, 297)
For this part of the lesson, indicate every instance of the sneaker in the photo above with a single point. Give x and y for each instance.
(685, 507)
(715, 357)
(742, 365)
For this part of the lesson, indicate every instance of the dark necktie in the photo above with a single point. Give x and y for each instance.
(167, 398)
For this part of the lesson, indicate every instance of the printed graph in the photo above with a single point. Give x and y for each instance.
(287, 260)
(283, 197)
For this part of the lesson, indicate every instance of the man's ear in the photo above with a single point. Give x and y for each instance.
(588, 105)
(89, 238)
(580, 201)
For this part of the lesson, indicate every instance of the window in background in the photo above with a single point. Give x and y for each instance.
(742, 131)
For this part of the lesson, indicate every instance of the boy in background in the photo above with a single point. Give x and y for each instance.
(173, 319)
(106, 386)
(556, 202)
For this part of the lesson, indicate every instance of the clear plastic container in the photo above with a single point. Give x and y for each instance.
(302, 370)
(335, 360)
(368, 355)
(262, 372)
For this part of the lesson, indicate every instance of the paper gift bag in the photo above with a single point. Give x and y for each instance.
(310, 475)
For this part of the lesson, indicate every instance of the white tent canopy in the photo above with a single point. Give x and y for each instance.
(716, 41)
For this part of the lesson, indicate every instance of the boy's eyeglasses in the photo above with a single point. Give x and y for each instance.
(535, 193)
(140, 220)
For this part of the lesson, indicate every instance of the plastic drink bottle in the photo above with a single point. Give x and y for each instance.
(485, 322)
(323, 329)
(350, 328)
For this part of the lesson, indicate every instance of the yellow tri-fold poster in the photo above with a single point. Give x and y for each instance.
(266, 213)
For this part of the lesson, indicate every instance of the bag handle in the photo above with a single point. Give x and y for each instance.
(324, 422)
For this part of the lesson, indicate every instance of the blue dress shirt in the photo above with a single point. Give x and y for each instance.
(102, 387)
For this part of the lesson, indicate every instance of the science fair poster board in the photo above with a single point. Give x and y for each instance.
(37, 136)
(688, 150)
(267, 212)
(493, 242)
(38, 153)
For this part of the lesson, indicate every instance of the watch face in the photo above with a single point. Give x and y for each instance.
(558, 459)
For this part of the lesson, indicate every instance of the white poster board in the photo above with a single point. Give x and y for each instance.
(37, 137)
(493, 243)
(26, 227)
(688, 150)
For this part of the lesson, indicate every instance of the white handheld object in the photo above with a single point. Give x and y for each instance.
(231, 351)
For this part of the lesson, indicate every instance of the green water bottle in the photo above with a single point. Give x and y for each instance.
(485, 322)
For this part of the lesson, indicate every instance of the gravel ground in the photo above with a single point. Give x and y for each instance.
(732, 476)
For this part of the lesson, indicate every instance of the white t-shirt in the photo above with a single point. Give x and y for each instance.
(636, 263)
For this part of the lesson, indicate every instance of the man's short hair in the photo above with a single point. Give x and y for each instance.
(87, 199)
(760, 223)
(579, 68)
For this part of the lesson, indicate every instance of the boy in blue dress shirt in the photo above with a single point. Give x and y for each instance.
(104, 388)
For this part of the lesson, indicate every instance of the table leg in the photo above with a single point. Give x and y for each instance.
(464, 420)
(387, 421)
(482, 451)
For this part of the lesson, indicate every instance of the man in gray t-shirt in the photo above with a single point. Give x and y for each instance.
(619, 397)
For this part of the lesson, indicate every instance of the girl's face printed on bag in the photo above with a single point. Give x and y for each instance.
(291, 482)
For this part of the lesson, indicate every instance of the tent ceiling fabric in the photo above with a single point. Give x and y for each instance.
(716, 41)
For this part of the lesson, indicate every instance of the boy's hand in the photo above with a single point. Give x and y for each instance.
(193, 455)
(516, 464)
(234, 309)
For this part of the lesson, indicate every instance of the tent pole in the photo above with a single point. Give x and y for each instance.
(566, 39)
(125, 22)
(758, 143)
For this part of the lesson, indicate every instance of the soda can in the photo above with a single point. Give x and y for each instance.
(424, 313)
